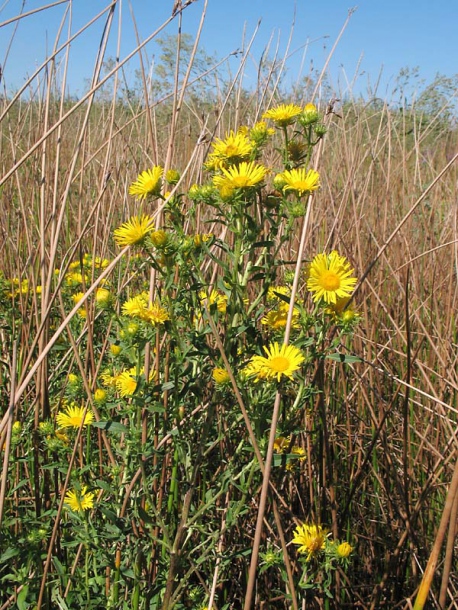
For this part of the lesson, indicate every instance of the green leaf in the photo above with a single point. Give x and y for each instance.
(8, 554)
(21, 598)
(104, 485)
(263, 244)
(346, 358)
(60, 569)
(110, 426)
(168, 385)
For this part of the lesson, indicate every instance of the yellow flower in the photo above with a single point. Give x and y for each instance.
(281, 444)
(159, 238)
(62, 437)
(234, 148)
(221, 376)
(274, 292)
(310, 538)
(82, 311)
(126, 383)
(103, 297)
(134, 231)
(115, 350)
(245, 175)
(283, 115)
(277, 318)
(344, 550)
(329, 277)
(79, 500)
(148, 183)
(100, 396)
(260, 132)
(155, 314)
(101, 263)
(284, 360)
(309, 115)
(73, 379)
(74, 278)
(215, 298)
(135, 306)
(202, 238)
(299, 454)
(109, 380)
(74, 417)
(172, 176)
(301, 181)
(138, 307)
(343, 312)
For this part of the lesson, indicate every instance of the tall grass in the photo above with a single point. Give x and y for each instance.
(179, 492)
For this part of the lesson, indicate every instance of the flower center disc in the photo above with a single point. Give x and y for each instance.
(301, 185)
(330, 280)
(279, 364)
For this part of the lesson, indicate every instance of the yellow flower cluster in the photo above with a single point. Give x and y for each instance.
(140, 308)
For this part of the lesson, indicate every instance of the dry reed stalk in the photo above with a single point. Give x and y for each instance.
(430, 570)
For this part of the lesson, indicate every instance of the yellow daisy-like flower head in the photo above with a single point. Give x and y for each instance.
(311, 539)
(245, 175)
(234, 148)
(279, 361)
(100, 396)
(260, 132)
(277, 318)
(155, 314)
(126, 383)
(74, 417)
(73, 380)
(159, 238)
(172, 177)
(109, 380)
(138, 307)
(103, 297)
(148, 183)
(344, 550)
(329, 277)
(309, 115)
(135, 306)
(115, 349)
(343, 312)
(134, 231)
(214, 298)
(274, 292)
(221, 376)
(299, 456)
(281, 444)
(283, 115)
(300, 180)
(79, 501)
(74, 278)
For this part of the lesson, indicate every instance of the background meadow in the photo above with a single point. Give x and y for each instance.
(146, 462)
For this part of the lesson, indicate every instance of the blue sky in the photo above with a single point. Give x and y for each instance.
(381, 38)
